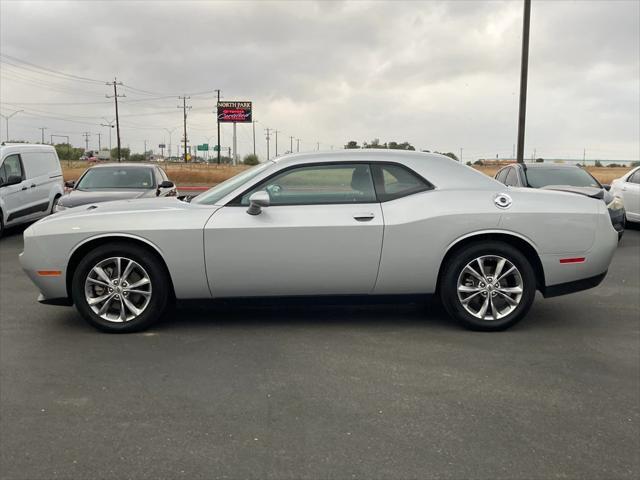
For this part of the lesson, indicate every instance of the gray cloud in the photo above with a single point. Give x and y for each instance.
(442, 75)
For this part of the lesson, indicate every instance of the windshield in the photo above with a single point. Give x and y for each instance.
(575, 177)
(215, 194)
(116, 177)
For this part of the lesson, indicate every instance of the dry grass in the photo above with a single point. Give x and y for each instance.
(181, 174)
(205, 174)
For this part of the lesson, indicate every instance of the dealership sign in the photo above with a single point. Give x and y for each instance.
(234, 112)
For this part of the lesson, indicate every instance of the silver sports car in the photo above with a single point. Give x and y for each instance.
(356, 222)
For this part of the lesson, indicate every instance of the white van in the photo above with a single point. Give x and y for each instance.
(30, 182)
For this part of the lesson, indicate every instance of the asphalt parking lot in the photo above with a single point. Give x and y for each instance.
(295, 391)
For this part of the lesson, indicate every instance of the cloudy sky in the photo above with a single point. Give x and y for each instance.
(441, 75)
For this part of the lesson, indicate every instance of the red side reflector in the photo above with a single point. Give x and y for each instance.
(572, 260)
(49, 273)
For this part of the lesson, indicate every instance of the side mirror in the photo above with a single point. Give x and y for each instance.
(606, 186)
(257, 202)
(12, 180)
(70, 183)
(166, 184)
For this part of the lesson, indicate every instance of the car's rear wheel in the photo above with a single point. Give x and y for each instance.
(120, 288)
(488, 286)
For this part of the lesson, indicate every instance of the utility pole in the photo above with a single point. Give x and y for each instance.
(524, 70)
(115, 96)
(584, 155)
(99, 141)
(460, 159)
(297, 144)
(276, 132)
(254, 136)
(42, 129)
(144, 152)
(184, 112)
(317, 145)
(7, 117)
(218, 122)
(86, 136)
(268, 130)
(291, 148)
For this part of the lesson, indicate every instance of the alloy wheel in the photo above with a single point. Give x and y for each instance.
(118, 289)
(490, 287)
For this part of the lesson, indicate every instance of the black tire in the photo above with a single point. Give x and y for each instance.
(158, 276)
(456, 264)
(53, 205)
(1, 223)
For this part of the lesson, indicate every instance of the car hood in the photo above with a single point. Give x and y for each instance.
(82, 197)
(592, 192)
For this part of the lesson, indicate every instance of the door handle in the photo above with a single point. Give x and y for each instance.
(364, 217)
(23, 188)
(33, 185)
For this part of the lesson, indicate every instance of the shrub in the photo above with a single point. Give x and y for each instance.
(251, 159)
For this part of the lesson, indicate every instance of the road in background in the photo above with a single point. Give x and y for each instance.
(323, 391)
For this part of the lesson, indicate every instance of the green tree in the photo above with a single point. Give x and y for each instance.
(451, 155)
(125, 152)
(469, 163)
(478, 162)
(136, 157)
(400, 146)
(67, 152)
(251, 159)
(375, 143)
(351, 144)
(635, 164)
(598, 163)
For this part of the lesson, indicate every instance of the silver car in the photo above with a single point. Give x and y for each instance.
(357, 222)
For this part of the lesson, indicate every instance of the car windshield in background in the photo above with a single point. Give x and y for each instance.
(575, 177)
(213, 195)
(116, 177)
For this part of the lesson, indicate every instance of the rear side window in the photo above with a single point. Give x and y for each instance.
(512, 178)
(635, 178)
(395, 181)
(502, 175)
(11, 167)
(37, 164)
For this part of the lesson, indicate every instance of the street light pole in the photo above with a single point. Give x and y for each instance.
(218, 123)
(524, 70)
(254, 136)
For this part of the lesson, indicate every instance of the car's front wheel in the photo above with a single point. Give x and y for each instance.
(120, 288)
(488, 286)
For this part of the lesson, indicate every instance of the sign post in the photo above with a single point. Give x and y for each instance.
(235, 112)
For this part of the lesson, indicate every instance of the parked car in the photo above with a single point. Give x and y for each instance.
(116, 181)
(30, 183)
(356, 222)
(567, 178)
(628, 187)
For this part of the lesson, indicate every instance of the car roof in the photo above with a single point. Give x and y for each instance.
(440, 170)
(24, 147)
(123, 165)
(550, 165)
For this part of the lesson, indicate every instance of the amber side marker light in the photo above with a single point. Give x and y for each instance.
(572, 260)
(49, 273)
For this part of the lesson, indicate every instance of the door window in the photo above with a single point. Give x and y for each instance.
(395, 181)
(635, 178)
(319, 184)
(12, 167)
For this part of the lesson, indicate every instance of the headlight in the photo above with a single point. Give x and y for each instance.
(616, 204)
(59, 208)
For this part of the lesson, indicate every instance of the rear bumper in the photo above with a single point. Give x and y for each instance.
(574, 286)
